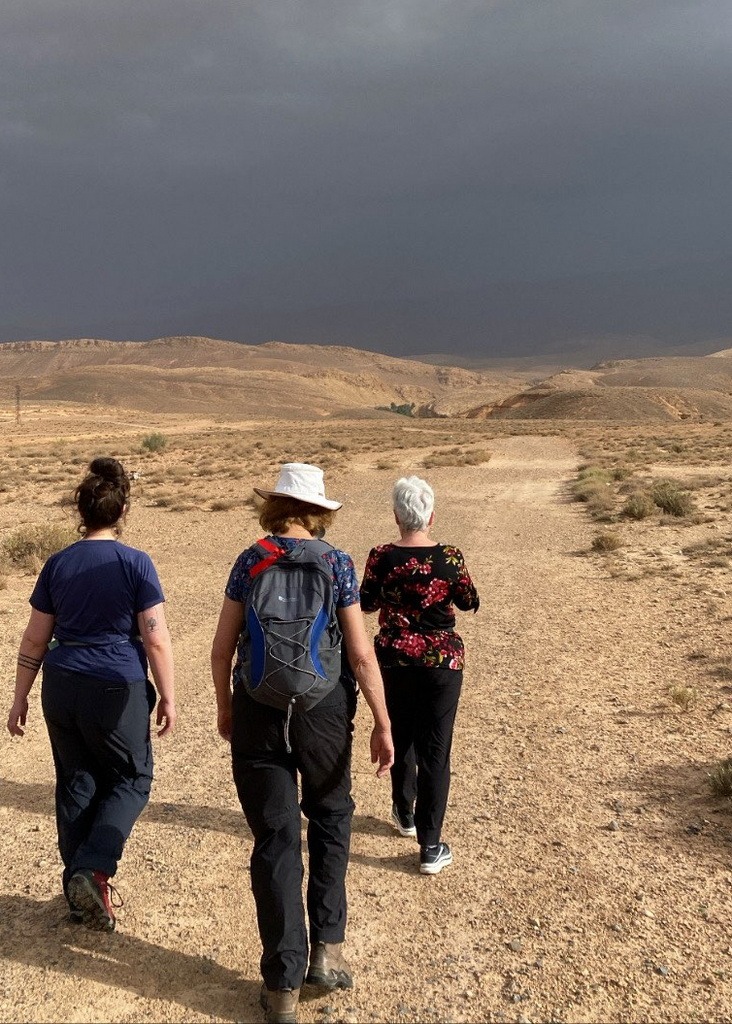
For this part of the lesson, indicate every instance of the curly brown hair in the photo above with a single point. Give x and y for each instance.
(103, 495)
(277, 513)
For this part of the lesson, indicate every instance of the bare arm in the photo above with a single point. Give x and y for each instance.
(366, 669)
(159, 650)
(231, 620)
(33, 647)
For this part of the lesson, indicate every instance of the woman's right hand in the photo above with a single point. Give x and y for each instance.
(223, 721)
(166, 716)
(16, 717)
(382, 749)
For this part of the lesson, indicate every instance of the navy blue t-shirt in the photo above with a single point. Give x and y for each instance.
(95, 590)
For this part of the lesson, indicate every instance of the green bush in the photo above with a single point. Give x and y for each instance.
(405, 409)
(671, 499)
(607, 540)
(154, 442)
(593, 486)
(640, 505)
(30, 546)
(720, 780)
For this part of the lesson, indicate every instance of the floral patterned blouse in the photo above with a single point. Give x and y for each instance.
(416, 590)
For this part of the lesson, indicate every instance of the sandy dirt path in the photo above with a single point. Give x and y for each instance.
(591, 879)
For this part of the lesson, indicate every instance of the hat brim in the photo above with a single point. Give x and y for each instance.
(333, 506)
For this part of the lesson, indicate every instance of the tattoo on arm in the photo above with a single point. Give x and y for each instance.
(152, 623)
(25, 661)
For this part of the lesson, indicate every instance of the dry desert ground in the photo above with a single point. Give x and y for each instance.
(592, 877)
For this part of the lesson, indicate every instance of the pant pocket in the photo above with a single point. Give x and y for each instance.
(112, 700)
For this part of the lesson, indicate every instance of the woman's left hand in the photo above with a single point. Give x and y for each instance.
(16, 718)
(166, 716)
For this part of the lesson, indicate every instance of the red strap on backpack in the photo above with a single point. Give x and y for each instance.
(275, 552)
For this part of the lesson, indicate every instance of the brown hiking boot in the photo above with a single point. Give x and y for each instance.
(327, 966)
(280, 1006)
(92, 895)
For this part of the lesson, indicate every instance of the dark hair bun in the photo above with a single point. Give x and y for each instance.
(108, 469)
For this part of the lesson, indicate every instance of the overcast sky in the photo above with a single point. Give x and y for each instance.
(404, 175)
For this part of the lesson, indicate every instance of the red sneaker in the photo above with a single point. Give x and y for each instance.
(93, 894)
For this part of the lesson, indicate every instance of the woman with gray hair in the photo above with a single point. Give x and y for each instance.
(416, 584)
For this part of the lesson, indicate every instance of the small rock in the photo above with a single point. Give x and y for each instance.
(613, 826)
(660, 969)
(516, 945)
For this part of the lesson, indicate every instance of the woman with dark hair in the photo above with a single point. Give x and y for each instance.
(271, 746)
(96, 621)
(416, 584)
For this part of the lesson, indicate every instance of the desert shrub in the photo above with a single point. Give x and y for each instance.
(671, 499)
(456, 457)
(385, 464)
(621, 472)
(405, 409)
(478, 457)
(591, 483)
(683, 696)
(720, 779)
(223, 504)
(30, 546)
(154, 442)
(607, 540)
(601, 503)
(640, 505)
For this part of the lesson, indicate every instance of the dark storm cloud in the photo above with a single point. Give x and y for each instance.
(402, 174)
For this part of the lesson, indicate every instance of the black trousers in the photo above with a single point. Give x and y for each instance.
(100, 739)
(266, 778)
(422, 704)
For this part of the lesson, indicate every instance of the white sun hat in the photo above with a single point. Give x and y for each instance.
(303, 482)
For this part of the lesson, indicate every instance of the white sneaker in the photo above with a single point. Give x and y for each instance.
(432, 859)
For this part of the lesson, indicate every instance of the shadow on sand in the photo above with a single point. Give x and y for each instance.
(38, 934)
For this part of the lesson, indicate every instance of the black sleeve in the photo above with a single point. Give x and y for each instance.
(371, 584)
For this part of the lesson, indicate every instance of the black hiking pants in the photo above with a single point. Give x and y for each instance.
(100, 739)
(422, 704)
(266, 778)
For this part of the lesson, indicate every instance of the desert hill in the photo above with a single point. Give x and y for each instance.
(637, 390)
(205, 375)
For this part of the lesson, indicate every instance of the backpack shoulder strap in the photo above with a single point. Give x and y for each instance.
(269, 552)
(319, 547)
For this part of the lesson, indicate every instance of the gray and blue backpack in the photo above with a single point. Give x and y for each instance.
(291, 655)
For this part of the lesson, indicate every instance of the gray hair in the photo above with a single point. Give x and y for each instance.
(414, 501)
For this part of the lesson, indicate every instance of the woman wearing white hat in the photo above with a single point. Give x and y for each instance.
(307, 732)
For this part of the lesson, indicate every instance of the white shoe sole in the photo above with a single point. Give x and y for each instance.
(436, 868)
